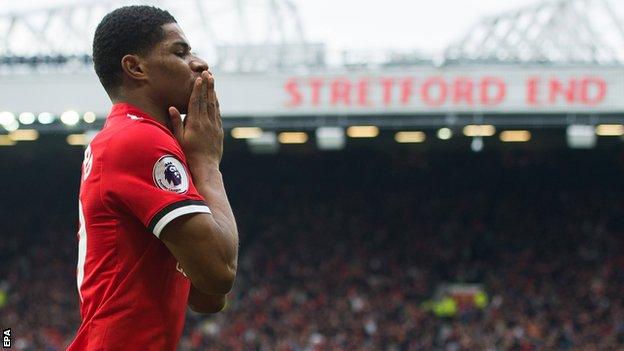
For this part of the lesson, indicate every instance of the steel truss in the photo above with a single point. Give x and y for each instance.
(561, 31)
(237, 35)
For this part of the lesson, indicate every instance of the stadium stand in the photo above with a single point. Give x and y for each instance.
(334, 258)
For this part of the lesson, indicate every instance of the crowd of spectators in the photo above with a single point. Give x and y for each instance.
(341, 251)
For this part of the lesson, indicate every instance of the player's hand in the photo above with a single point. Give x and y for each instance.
(201, 134)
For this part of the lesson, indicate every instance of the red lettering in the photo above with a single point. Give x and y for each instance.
(533, 91)
(596, 85)
(500, 91)
(362, 90)
(427, 88)
(387, 84)
(406, 90)
(462, 91)
(292, 88)
(557, 89)
(340, 92)
(315, 85)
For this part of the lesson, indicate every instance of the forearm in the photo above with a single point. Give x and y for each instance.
(209, 183)
(206, 245)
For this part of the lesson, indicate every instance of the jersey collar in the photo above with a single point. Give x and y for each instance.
(124, 109)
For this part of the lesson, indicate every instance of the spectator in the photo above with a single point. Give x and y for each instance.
(354, 255)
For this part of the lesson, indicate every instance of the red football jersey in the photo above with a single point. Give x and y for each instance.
(135, 180)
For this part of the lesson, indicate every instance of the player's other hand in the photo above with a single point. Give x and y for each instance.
(201, 134)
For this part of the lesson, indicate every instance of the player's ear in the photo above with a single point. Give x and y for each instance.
(132, 66)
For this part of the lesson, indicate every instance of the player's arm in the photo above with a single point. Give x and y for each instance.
(206, 251)
(206, 245)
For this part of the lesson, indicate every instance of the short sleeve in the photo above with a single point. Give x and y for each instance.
(146, 174)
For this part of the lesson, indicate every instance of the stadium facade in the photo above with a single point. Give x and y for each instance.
(544, 65)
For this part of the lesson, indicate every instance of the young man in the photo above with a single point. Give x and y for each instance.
(156, 228)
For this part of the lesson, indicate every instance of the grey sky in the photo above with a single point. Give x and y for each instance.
(424, 25)
(427, 25)
(421, 24)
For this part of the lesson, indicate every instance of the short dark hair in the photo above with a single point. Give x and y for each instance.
(126, 30)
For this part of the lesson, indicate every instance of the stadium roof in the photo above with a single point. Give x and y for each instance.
(268, 35)
(562, 31)
(520, 68)
(253, 35)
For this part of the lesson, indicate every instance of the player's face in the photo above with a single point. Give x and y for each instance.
(172, 69)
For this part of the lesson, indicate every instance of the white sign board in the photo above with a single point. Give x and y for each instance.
(427, 90)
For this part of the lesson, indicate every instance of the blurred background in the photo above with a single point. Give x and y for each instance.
(406, 175)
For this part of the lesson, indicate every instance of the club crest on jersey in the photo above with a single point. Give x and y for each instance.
(170, 174)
